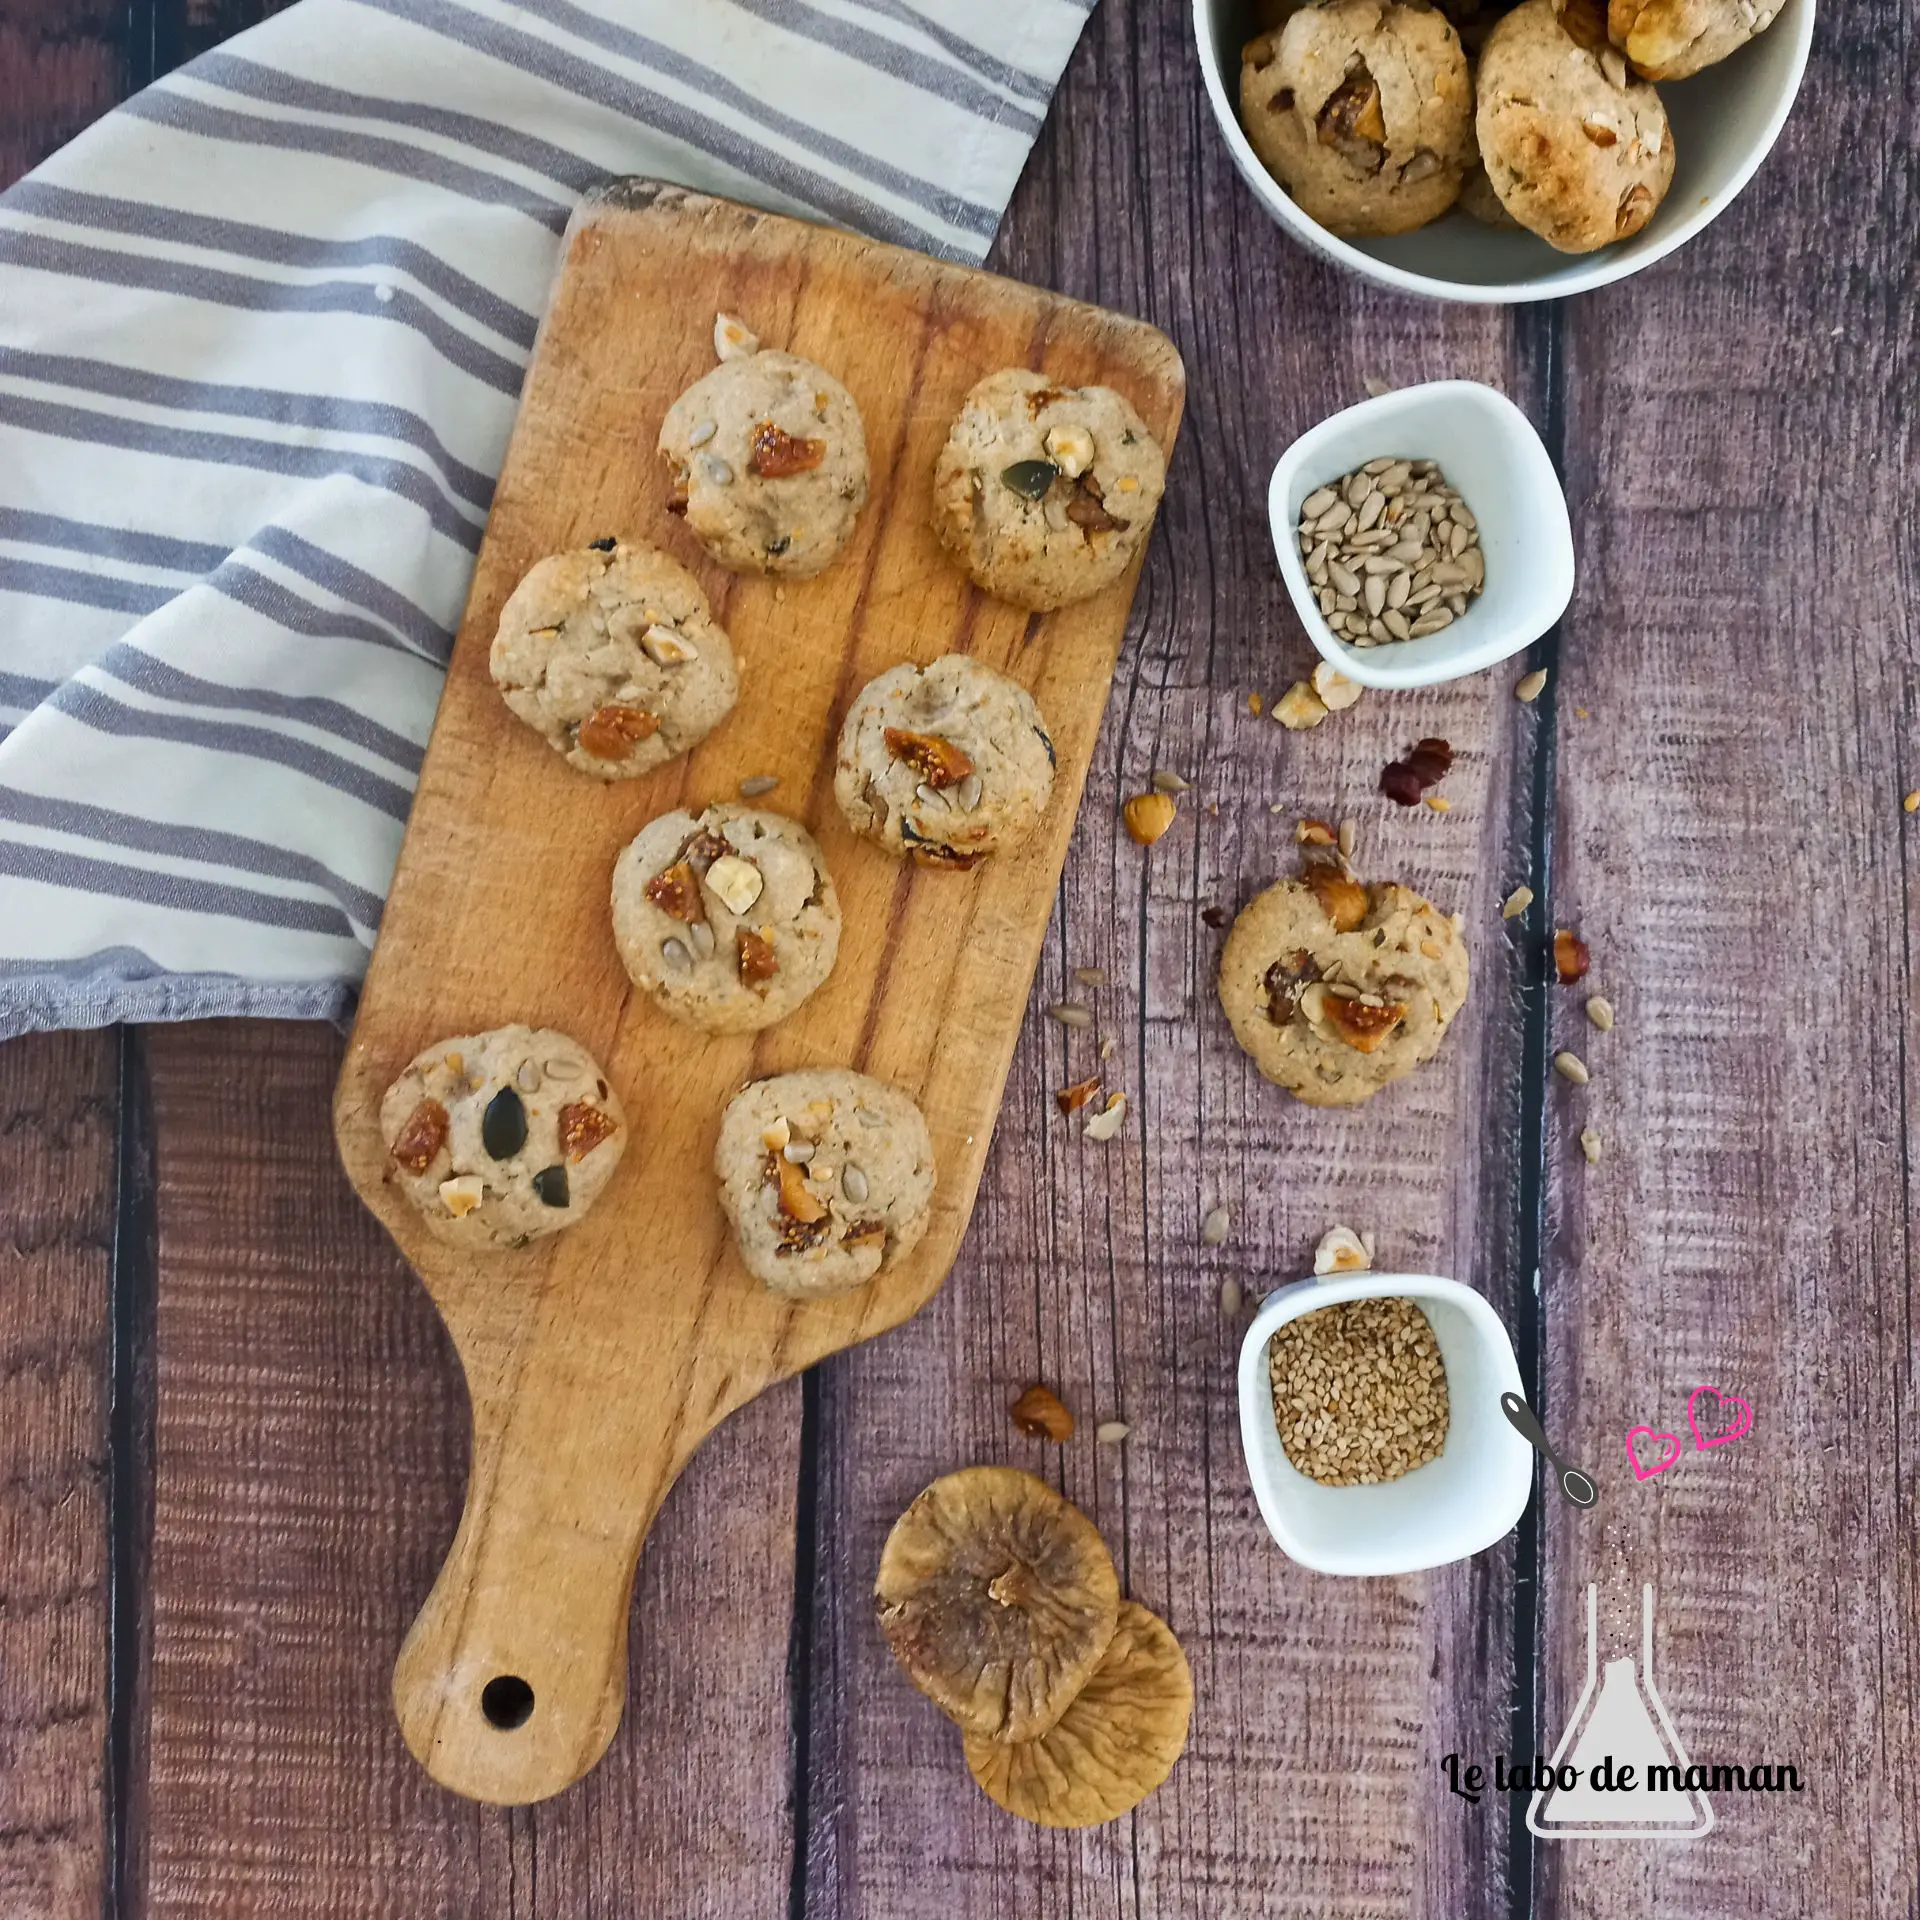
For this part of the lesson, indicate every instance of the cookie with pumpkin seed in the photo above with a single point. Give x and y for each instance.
(1335, 989)
(945, 763)
(502, 1137)
(612, 655)
(1044, 492)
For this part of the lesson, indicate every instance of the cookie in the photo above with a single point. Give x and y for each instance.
(1334, 989)
(727, 918)
(768, 458)
(1363, 111)
(1045, 493)
(613, 657)
(1669, 39)
(504, 1137)
(1578, 151)
(948, 763)
(826, 1176)
(1478, 201)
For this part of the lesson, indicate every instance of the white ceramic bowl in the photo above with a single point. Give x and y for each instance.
(1488, 449)
(1453, 1506)
(1724, 122)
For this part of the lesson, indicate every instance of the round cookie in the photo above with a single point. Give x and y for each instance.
(1669, 39)
(727, 918)
(948, 762)
(827, 1177)
(1578, 151)
(504, 1137)
(612, 656)
(1045, 493)
(768, 458)
(1363, 111)
(1335, 989)
(1478, 201)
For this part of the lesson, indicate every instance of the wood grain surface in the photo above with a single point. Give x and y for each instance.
(1710, 790)
(598, 1360)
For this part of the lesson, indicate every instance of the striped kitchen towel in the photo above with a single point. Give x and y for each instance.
(262, 330)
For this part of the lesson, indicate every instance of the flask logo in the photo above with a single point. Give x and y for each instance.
(1625, 1755)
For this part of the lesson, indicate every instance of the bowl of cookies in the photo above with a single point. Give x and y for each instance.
(1481, 151)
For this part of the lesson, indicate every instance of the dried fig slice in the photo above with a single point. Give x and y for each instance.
(1353, 122)
(1113, 1746)
(998, 1599)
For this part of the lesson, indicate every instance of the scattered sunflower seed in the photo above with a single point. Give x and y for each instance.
(1165, 780)
(1106, 1046)
(760, 783)
(1516, 903)
(1109, 1433)
(1530, 686)
(1070, 1013)
(1375, 386)
(702, 433)
(1569, 1066)
(853, 1183)
(1091, 976)
(1213, 1229)
(678, 959)
(1347, 839)
(1232, 1298)
(1590, 1146)
(1600, 1012)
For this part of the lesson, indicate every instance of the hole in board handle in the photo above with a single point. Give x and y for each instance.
(507, 1702)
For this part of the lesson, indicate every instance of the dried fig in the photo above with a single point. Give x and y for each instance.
(1112, 1747)
(998, 1599)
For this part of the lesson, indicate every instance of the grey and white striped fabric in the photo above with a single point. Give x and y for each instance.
(261, 334)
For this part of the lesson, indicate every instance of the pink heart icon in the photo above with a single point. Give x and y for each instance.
(1741, 1416)
(1671, 1441)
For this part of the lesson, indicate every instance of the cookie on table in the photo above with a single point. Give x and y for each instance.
(1578, 150)
(947, 763)
(1669, 39)
(1044, 493)
(503, 1137)
(727, 918)
(826, 1176)
(612, 655)
(1335, 989)
(768, 458)
(1363, 111)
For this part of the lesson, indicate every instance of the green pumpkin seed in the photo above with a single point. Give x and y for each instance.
(1030, 478)
(503, 1127)
(550, 1183)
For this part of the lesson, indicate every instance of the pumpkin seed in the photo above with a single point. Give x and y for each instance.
(678, 959)
(503, 1127)
(853, 1183)
(1030, 479)
(528, 1078)
(550, 1183)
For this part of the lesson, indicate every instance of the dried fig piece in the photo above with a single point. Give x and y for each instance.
(798, 1201)
(1342, 898)
(1087, 509)
(611, 733)
(998, 1599)
(1041, 1414)
(938, 762)
(1072, 1099)
(1116, 1742)
(676, 892)
(422, 1137)
(1353, 121)
(758, 963)
(584, 1127)
(1363, 1026)
(775, 454)
(1285, 980)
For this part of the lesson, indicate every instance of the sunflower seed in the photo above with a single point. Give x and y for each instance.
(1398, 588)
(1396, 624)
(1590, 1146)
(702, 434)
(932, 797)
(528, 1078)
(1376, 592)
(1516, 903)
(1213, 1229)
(968, 793)
(853, 1183)
(1165, 780)
(1316, 503)
(1569, 1066)
(1530, 686)
(1348, 836)
(715, 469)
(760, 783)
(1109, 1433)
(1232, 1299)
(1343, 578)
(700, 935)
(1600, 1012)
(1435, 622)
(678, 959)
(1091, 976)
(1070, 1013)
(800, 1152)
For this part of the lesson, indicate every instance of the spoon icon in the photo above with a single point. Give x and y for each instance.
(1577, 1486)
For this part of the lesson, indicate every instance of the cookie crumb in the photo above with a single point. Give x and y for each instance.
(1590, 1146)
(1912, 802)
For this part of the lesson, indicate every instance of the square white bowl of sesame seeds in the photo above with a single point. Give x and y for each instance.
(1488, 452)
(1459, 1503)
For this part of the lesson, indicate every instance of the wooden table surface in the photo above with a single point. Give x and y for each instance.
(232, 1433)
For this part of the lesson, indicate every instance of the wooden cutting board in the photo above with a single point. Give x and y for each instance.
(596, 1361)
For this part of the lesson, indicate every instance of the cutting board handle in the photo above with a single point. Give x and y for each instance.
(511, 1681)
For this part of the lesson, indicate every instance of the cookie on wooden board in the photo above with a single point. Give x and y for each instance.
(1044, 493)
(503, 1137)
(1363, 111)
(768, 458)
(728, 918)
(947, 763)
(1576, 148)
(826, 1176)
(612, 655)
(1336, 989)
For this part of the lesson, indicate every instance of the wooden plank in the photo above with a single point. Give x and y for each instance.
(1311, 1785)
(599, 1359)
(62, 65)
(1735, 714)
(58, 1109)
(310, 1454)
